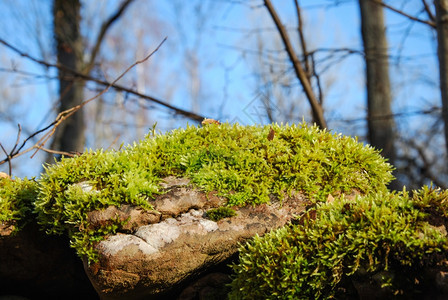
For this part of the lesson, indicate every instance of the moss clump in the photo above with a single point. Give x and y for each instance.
(382, 233)
(245, 164)
(246, 167)
(216, 214)
(16, 202)
(92, 181)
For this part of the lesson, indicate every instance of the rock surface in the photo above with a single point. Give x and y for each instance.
(163, 256)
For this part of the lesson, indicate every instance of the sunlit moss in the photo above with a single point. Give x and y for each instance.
(245, 164)
(246, 167)
(16, 202)
(382, 232)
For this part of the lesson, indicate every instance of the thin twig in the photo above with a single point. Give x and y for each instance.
(69, 154)
(113, 142)
(427, 164)
(39, 145)
(429, 12)
(302, 39)
(430, 111)
(430, 23)
(8, 158)
(103, 30)
(191, 115)
(300, 72)
(62, 116)
(318, 81)
(18, 138)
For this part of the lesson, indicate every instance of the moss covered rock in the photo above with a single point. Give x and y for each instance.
(245, 164)
(387, 240)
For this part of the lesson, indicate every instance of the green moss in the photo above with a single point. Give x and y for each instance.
(216, 214)
(246, 167)
(16, 199)
(92, 181)
(239, 162)
(373, 234)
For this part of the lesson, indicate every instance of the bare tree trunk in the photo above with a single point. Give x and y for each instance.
(380, 121)
(442, 39)
(69, 135)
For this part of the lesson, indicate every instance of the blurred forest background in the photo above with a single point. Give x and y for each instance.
(366, 68)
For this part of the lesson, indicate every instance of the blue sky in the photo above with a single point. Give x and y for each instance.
(225, 51)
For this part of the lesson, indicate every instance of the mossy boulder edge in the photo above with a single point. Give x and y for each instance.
(241, 163)
(247, 166)
(384, 245)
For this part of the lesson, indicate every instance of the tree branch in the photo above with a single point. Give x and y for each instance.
(8, 159)
(193, 116)
(103, 30)
(308, 60)
(69, 112)
(302, 39)
(39, 145)
(300, 73)
(427, 165)
(429, 12)
(430, 23)
(10, 154)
